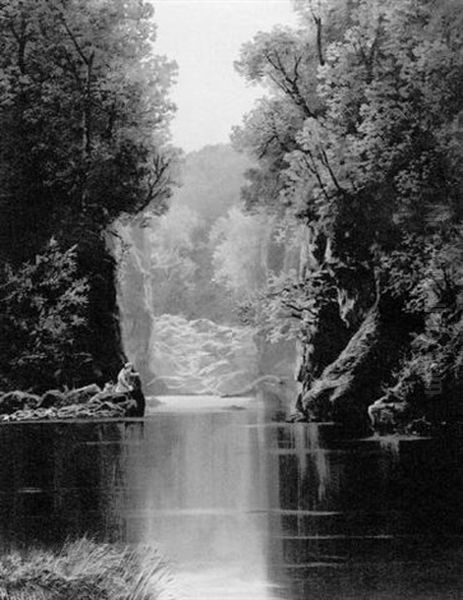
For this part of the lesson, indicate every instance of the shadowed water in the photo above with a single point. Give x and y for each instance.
(246, 507)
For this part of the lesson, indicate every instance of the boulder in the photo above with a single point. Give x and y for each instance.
(14, 401)
(109, 396)
(389, 416)
(344, 389)
(51, 398)
(81, 395)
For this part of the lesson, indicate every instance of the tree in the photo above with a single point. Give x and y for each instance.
(240, 251)
(84, 114)
(374, 172)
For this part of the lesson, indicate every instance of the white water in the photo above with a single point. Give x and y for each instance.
(200, 356)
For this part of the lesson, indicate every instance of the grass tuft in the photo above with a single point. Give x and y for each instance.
(85, 570)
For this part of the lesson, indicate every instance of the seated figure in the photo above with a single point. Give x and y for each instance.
(125, 379)
(129, 382)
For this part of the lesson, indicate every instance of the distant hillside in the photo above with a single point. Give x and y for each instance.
(180, 321)
(212, 178)
(168, 276)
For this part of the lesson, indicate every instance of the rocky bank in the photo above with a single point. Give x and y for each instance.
(88, 402)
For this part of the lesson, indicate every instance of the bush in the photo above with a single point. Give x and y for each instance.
(42, 312)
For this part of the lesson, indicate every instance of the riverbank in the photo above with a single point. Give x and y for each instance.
(82, 403)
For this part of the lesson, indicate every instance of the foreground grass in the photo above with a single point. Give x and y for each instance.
(85, 570)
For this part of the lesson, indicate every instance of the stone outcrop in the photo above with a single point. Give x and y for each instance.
(81, 395)
(88, 402)
(17, 400)
(51, 398)
(348, 385)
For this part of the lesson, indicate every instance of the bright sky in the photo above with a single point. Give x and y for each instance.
(204, 37)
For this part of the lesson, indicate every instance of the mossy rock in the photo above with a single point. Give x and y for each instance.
(81, 395)
(14, 401)
(51, 398)
(110, 396)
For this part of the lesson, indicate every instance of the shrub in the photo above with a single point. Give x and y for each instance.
(42, 311)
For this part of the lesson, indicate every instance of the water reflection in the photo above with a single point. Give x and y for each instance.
(370, 518)
(207, 499)
(58, 481)
(246, 507)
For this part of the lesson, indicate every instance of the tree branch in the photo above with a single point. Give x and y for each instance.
(266, 145)
(22, 41)
(73, 38)
(313, 169)
(290, 87)
(330, 170)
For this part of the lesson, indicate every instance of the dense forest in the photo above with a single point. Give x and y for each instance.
(180, 246)
(84, 113)
(359, 140)
(185, 276)
(177, 318)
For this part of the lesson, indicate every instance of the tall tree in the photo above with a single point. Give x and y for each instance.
(375, 172)
(84, 114)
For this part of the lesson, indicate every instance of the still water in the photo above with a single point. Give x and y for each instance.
(246, 506)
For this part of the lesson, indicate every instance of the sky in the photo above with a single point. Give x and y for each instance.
(204, 38)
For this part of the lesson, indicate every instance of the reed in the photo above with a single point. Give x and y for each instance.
(86, 570)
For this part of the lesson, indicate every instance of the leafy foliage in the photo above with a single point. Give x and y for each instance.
(42, 315)
(371, 162)
(173, 252)
(240, 251)
(84, 114)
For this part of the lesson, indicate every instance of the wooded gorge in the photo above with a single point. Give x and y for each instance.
(348, 239)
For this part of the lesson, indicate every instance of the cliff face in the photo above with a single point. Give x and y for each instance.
(348, 385)
(103, 339)
(401, 357)
(134, 295)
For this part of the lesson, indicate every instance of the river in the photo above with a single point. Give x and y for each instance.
(246, 506)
